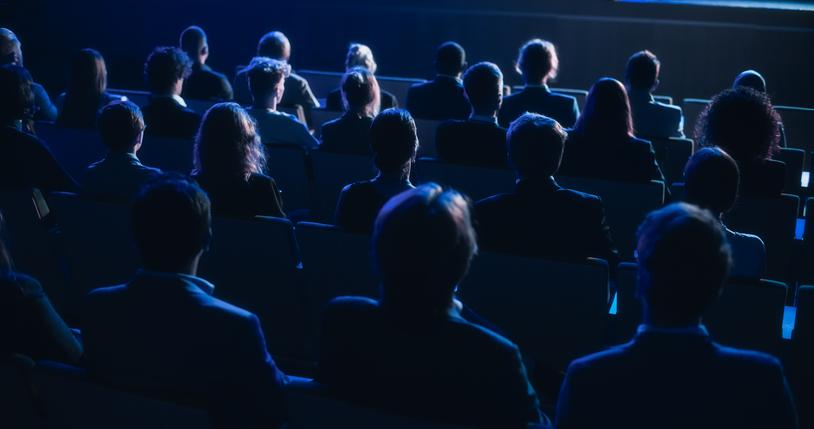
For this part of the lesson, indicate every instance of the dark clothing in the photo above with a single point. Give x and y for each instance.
(297, 91)
(74, 113)
(539, 99)
(165, 117)
(438, 100)
(625, 160)
(446, 369)
(257, 196)
(347, 134)
(207, 84)
(118, 177)
(360, 202)
(334, 101)
(762, 178)
(652, 119)
(472, 142)
(26, 162)
(46, 110)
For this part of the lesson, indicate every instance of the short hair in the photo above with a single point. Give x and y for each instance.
(423, 243)
(274, 45)
(171, 222)
(711, 180)
(607, 110)
(265, 74)
(360, 91)
(227, 144)
(535, 145)
(164, 66)
(537, 60)
(120, 124)
(360, 55)
(393, 140)
(642, 71)
(192, 40)
(742, 122)
(10, 52)
(17, 94)
(450, 59)
(750, 79)
(684, 260)
(483, 84)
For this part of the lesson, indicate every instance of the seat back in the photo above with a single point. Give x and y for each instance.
(692, 108)
(321, 82)
(672, 155)
(290, 167)
(798, 124)
(398, 86)
(666, 99)
(139, 98)
(332, 171)
(476, 182)
(73, 148)
(321, 116)
(794, 160)
(803, 334)
(168, 154)
(200, 106)
(580, 94)
(16, 401)
(426, 130)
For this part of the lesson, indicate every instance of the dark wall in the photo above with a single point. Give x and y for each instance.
(701, 48)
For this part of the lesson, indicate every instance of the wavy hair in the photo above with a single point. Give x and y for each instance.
(227, 145)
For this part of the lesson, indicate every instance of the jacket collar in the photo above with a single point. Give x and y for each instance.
(537, 185)
(188, 280)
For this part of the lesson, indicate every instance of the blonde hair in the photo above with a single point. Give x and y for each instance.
(360, 55)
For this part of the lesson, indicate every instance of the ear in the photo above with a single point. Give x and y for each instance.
(205, 50)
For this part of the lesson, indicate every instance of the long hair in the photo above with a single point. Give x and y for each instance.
(227, 145)
(360, 92)
(607, 111)
(86, 87)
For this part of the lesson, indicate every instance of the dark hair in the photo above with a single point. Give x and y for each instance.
(393, 140)
(642, 71)
(535, 145)
(192, 40)
(119, 124)
(537, 60)
(16, 93)
(164, 66)
(423, 242)
(483, 84)
(360, 90)
(742, 122)
(86, 87)
(273, 45)
(711, 180)
(607, 111)
(265, 74)
(750, 79)
(450, 59)
(227, 145)
(171, 222)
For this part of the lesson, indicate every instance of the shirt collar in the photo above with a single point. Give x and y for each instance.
(200, 283)
(175, 97)
(699, 330)
(483, 118)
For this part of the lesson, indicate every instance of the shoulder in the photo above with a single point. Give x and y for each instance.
(747, 360)
(485, 340)
(451, 125)
(601, 361)
(563, 99)
(580, 198)
(103, 293)
(349, 308)
(261, 180)
(293, 77)
(27, 286)
(494, 202)
(358, 188)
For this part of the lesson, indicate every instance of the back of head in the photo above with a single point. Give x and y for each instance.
(607, 110)
(360, 90)
(171, 223)
(193, 42)
(88, 75)
(10, 52)
(393, 141)
(642, 71)
(16, 93)
(227, 146)
(274, 45)
(120, 124)
(164, 67)
(360, 55)
(450, 59)
(684, 260)
(266, 75)
(537, 61)
(535, 145)
(483, 84)
(711, 180)
(423, 242)
(750, 79)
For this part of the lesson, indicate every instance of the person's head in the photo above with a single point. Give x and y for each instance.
(193, 42)
(684, 260)
(711, 180)
(423, 243)
(172, 224)
(535, 145)
(10, 48)
(275, 46)
(750, 79)
(88, 74)
(165, 70)
(483, 85)
(450, 59)
(537, 61)
(121, 127)
(360, 55)
(742, 122)
(16, 93)
(360, 92)
(267, 81)
(394, 142)
(227, 144)
(607, 110)
(642, 71)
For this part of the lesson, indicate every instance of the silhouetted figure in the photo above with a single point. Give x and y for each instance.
(203, 83)
(87, 92)
(711, 181)
(393, 142)
(443, 97)
(11, 53)
(540, 218)
(351, 132)
(651, 119)
(229, 165)
(120, 175)
(167, 114)
(602, 145)
(360, 55)
(537, 61)
(672, 374)
(478, 140)
(754, 80)
(411, 352)
(164, 333)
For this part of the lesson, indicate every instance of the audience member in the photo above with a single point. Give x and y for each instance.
(411, 352)
(651, 119)
(443, 97)
(672, 374)
(203, 83)
(87, 91)
(360, 55)
(754, 80)
(478, 140)
(539, 64)
(351, 132)
(11, 53)
(229, 164)
(167, 114)
(540, 218)
(394, 143)
(164, 332)
(602, 145)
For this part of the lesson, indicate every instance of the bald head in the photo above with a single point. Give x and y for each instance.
(275, 46)
(193, 42)
(10, 48)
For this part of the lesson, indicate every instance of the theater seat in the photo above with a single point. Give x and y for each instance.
(17, 409)
(426, 129)
(798, 125)
(74, 148)
(332, 171)
(139, 98)
(803, 334)
(170, 155)
(692, 108)
(289, 166)
(475, 182)
(794, 160)
(321, 116)
(672, 155)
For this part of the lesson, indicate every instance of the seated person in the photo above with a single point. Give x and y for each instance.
(754, 80)
(267, 84)
(360, 55)
(394, 143)
(672, 374)
(229, 165)
(11, 53)
(164, 333)
(711, 180)
(167, 114)
(651, 119)
(203, 83)
(120, 175)
(443, 97)
(540, 218)
(539, 64)
(351, 132)
(411, 352)
(87, 91)
(478, 140)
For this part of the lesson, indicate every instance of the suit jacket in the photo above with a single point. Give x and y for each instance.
(539, 99)
(281, 128)
(542, 219)
(652, 119)
(166, 117)
(439, 99)
(446, 369)
(675, 380)
(762, 178)
(207, 84)
(626, 160)
(26, 162)
(165, 334)
(359, 203)
(297, 91)
(347, 134)
(46, 110)
(472, 142)
(118, 177)
(257, 196)
(334, 101)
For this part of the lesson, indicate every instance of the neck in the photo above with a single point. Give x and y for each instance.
(395, 175)
(265, 103)
(491, 113)
(537, 82)
(189, 268)
(662, 321)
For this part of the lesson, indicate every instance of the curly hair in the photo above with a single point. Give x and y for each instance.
(227, 145)
(164, 66)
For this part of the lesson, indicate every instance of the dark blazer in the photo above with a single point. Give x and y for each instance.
(118, 177)
(359, 203)
(207, 84)
(652, 119)
(82, 113)
(539, 99)
(26, 162)
(762, 178)
(165, 334)
(349, 134)
(257, 196)
(334, 101)
(542, 219)
(448, 370)
(472, 142)
(439, 99)
(165, 117)
(626, 160)
(297, 91)
(661, 380)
